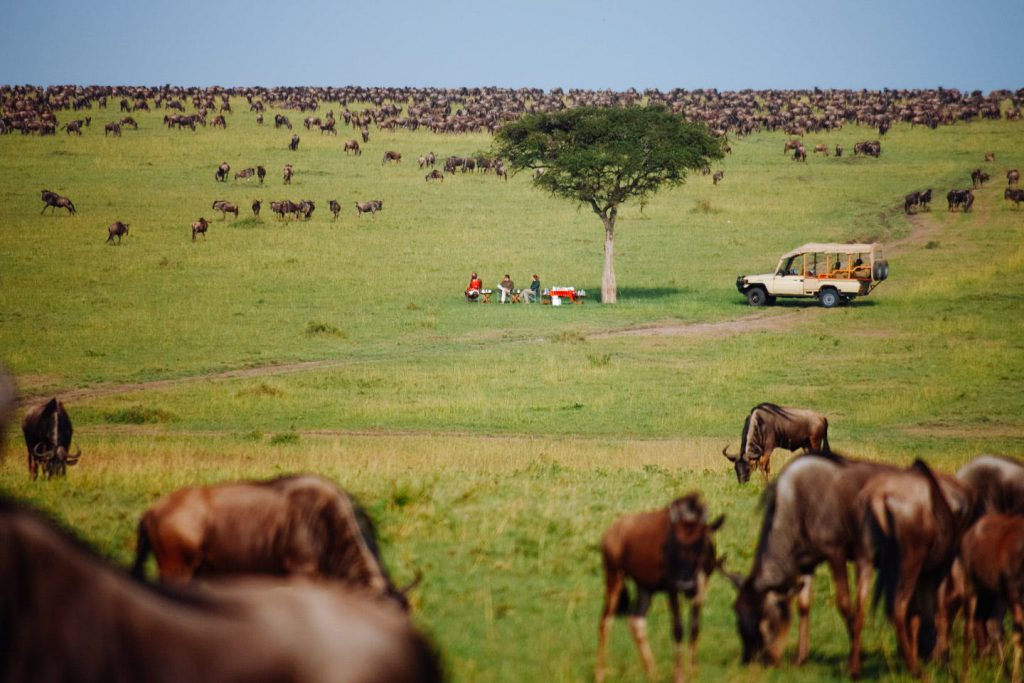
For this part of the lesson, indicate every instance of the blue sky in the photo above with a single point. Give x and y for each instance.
(595, 44)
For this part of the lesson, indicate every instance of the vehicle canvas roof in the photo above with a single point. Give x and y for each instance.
(833, 248)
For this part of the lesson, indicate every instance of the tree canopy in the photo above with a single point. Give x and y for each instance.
(603, 156)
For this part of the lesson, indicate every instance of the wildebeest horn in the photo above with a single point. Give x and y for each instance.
(412, 584)
(42, 455)
(72, 459)
(732, 458)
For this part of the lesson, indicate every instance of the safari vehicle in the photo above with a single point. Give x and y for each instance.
(831, 273)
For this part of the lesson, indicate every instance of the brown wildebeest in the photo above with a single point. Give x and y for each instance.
(222, 172)
(47, 430)
(372, 206)
(768, 427)
(671, 550)
(288, 173)
(73, 127)
(219, 121)
(245, 173)
(199, 228)
(129, 122)
(282, 120)
(225, 207)
(434, 175)
(256, 205)
(921, 199)
(800, 154)
(1012, 177)
(1011, 194)
(261, 173)
(821, 148)
(962, 198)
(912, 524)
(62, 599)
(809, 518)
(717, 177)
(978, 177)
(116, 229)
(114, 128)
(294, 144)
(299, 524)
(352, 146)
(391, 155)
(55, 201)
(791, 145)
(992, 554)
(998, 483)
(365, 133)
(335, 208)
(839, 151)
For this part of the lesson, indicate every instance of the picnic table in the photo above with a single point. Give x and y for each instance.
(558, 294)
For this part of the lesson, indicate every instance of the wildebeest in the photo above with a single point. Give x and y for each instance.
(364, 132)
(116, 229)
(800, 154)
(1014, 195)
(261, 173)
(912, 524)
(768, 427)
(791, 144)
(112, 128)
(306, 208)
(921, 199)
(299, 524)
(717, 177)
(245, 173)
(56, 201)
(671, 550)
(129, 122)
(839, 151)
(391, 155)
(199, 228)
(428, 159)
(961, 198)
(282, 120)
(998, 483)
(978, 177)
(434, 175)
(809, 518)
(871, 148)
(222, 172)
(256, 205)
(372, 206)
(992, 555)
(47, 430)
(287, 174)
(1012, 177)
(225, 207)
(352, 146)
(73, 127)
(821, 148)
(72, 616)
(335, 208)
(294, 144)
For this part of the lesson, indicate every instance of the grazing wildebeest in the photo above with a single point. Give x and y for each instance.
(299, 524)
(282, 120)
(225, 207)
(768, 427)
(671, 550)
(222, 172)
(372, 206)
(1012, 177)
(921, 199)
(992, 555)
(261, 173)
(129, 122)
(335, 208)
(352, 146)
(821, 148)
(112, 127)
(256, 205)
(73, 616)
(978, 177)
(288, 173)
(73, 127)
(391, 155)
(717, 177)
(434, 175)
(245, 173)
(1014, 195)
(871, 148)
(912, 524)
(116, 229)
(56, 201)
(199, 228)
(961, 198)
(294, 144)
(47, 430)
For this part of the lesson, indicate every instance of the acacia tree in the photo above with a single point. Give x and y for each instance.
(602, 156)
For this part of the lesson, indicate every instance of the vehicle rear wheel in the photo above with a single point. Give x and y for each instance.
(829, 298)
(756, 296)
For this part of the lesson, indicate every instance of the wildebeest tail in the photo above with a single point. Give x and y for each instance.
(143, 548)
(825, 448)
(879, 524)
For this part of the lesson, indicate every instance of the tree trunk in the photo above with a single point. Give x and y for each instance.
(609, 290)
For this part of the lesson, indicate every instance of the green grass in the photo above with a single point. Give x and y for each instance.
(493, 444)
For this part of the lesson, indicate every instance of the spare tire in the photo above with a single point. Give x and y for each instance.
(880, 270)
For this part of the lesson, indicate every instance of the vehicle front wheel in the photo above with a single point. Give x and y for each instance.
(756, 296)
(829, 298)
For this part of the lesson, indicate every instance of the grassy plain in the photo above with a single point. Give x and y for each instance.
(494, 443)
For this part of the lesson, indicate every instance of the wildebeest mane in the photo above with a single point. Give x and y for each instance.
(743, 434)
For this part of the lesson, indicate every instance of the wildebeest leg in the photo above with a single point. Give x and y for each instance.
(803, 602)
(906, 629)
(638, 626)
(613, 585)
(677, 637)
(33, 466)
(970, 608)
(1018, 634)
(863, 574)
(695, 608)
(765, 463)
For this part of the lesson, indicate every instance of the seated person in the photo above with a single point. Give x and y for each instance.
(473, 290)
(505, 287)
(533, 293)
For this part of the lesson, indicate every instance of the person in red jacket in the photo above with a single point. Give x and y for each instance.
(473, 290)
